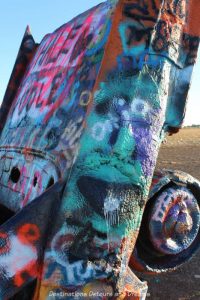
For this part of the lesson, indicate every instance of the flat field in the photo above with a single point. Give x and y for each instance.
(182, 152)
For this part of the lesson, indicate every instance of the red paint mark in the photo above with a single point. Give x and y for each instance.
(25, 201)
(31, 271)
(24, 173)
(38, 178)
(28, 233)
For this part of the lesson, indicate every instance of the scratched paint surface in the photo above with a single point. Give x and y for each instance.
(92, 109)
(40, 138)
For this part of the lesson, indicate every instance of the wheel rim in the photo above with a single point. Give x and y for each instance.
(174, 221)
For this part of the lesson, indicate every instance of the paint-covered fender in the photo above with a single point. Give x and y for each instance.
(170, 230)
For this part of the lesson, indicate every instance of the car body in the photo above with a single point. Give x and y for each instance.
(83, 118)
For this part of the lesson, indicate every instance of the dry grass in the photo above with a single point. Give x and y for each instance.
(182, 151)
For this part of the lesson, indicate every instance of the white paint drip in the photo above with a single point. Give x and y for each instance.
(111, 213)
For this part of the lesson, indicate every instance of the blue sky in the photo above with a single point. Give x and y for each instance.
(45, 16)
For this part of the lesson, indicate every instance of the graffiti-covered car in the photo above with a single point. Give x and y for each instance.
(82, 121)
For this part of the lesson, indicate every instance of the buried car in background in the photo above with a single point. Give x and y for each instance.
(82, 120)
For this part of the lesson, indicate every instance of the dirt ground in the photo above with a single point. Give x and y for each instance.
(182, 152)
